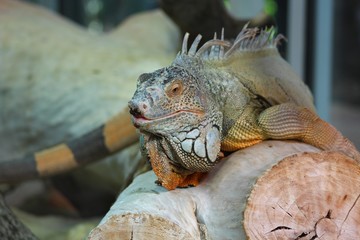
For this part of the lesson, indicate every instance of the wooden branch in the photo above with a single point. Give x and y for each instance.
(58, 81)
(208, 16)
(10, 226)
(213, 210)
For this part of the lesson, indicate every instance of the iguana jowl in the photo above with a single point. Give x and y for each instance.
(221, 98)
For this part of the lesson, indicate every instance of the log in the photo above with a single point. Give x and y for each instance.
(307, 196)
(59, 81)
(212, 210)
(208, 16)
(10, 226)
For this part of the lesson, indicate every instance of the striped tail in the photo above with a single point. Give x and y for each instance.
(107, 139)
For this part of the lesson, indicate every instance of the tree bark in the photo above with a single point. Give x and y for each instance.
(206, 17)
(215, 208)
(304, 196)
(10, 226)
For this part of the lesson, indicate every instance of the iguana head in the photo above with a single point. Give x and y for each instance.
(168, 100)
(174, 104)
(171, 103)
(174, 98)
(180, 104)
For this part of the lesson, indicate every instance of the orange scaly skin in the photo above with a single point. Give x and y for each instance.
(222, 98)
(169, 176)
(287, 121)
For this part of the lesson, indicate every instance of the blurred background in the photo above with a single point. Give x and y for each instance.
(323, 43)
(59, 81)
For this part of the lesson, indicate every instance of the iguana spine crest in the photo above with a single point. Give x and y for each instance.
(249, 39)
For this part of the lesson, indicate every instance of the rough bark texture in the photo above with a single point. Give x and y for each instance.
(306, 196)
(213, 210)
(10, 226)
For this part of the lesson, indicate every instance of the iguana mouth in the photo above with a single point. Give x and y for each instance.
(140, 119)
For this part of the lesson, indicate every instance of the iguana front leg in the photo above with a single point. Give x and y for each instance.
(169, 175)
(287, 121)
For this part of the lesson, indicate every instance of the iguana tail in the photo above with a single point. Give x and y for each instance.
(107, 139)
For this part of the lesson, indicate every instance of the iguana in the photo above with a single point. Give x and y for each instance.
(220, 98)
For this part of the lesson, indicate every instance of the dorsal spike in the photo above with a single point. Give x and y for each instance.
(194, 45)
(278, 39)
(244, 34)
(212, 43)
(248, 40)
(185, 43)
(221, 53)
(246, 25)
(205, 55)
(213, 48)
(214, 52)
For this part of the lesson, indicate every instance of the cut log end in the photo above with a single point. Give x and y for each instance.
(306, 196)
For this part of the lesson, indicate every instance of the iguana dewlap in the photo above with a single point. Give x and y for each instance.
(221, 98)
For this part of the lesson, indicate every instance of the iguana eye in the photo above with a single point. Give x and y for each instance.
(175, 89)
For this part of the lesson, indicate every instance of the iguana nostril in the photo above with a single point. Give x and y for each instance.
(137, 109)
(134, 109)
(135, 112)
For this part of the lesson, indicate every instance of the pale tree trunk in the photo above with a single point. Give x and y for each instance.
(58, 81)
(208, 16)
(302, 196)
(10, 226)
(308, 196)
